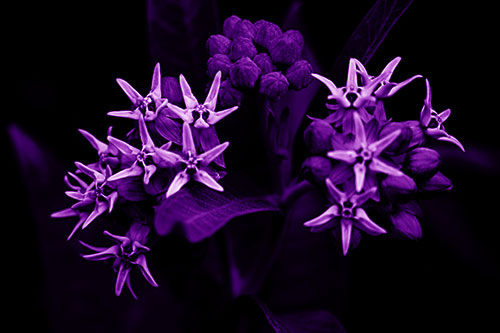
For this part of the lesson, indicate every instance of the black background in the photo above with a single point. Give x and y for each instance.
(63, 58)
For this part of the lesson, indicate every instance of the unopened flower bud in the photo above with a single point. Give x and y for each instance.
(316, 169)
(244, 73)
(242, 47)
(265, 33)
(284, 50)
(243, 28)
(422, 161)
(219, 62)
(437, 183)
(402, 142)
(407, 224)
(318, 137)
(228, 95)
(228, 25)
(263, 60)
(398, 185)
(297, 37)
(299, 74)
(417, 134)
(171, 89)
(218, 44)
(273, 85)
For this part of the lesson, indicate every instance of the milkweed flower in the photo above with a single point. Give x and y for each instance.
(432, 122)
(128, 252)
(93, 199)
(148, 106)
(145, 161)
(364, 154)
(200, 115)
(194, 166)
(347, 212)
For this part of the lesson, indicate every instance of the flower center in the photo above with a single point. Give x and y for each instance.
(200, 111)
(364, 156)
(147, 104)
(436, 121)
(191, 164)
(141, 156)
(347, 209)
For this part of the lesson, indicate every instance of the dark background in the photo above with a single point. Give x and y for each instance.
(63, 58)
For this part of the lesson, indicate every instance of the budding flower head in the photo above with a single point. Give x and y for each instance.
(296, 36)
(244, 73)
(218, 44)
(422, 161)
(299, 74)
(243, 28)
(284, 50)
(228, 25)
(242, 47)
(273, 85)
(229, 95)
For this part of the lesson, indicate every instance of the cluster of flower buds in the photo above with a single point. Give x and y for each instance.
(257, 55)
(172, 146)
(369, 165)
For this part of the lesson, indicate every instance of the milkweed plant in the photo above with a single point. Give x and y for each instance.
(370, 170)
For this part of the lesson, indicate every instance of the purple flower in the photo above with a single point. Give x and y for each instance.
(229, 24)
(93, 199)
(244, 73)
(200, 115)
(387, 88)
(263, 61)
(284, 50)
(218, 44)
(108, 153)
(274, 85)
(148, 106)
(299, 74)
(243, 28)
(364, 154)
(128, 252)
(194, 166)
(346, 210)
(265, 33)
(432, 122)
(145, 161)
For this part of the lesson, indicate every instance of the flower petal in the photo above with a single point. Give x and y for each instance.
(168, 156)
(108, 253)
(141, 262)
(366, 224)
(177, 183)
(201, 176)
(123, 146)
(132, 94)
(425, 114)
(201, 123)
(98, 145)
(445, 114)
(329, 84)
(144, 133)
(129, 286)
(96, 175)
(125, 114)
(453, 140)
(325, 217)
(68, 212)
(378, 147)
(336, 194)
(83, 217)
(359, 131)
(359, 199)
(214, 117)
(123, 273)
(389, 68)
(132, 171)
(187, 140)
(211, 100)
(189, 99)
(378, 166)
(149, 170)
(397, 86)
(359, 175)
(111, 200)
(348, 156)
(346, 231)
(181, 113)
(75, 195)
(207, 157)
(352, 77)
(156, 82)
(99, 208)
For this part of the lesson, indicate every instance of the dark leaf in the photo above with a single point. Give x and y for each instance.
(201, 211)
(303, 322)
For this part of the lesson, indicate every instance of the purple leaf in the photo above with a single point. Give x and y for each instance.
(201, 211)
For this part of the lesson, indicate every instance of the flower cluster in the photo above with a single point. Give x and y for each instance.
(257, 55)
(168, 147)
(370, 164)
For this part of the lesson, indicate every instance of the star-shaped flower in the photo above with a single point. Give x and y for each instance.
(128, 253)
(346, 210)
(200, 115)
(148, 106)
(145, 161)
(96, 197)
(432, 122)
(364, 155)
(194, 166)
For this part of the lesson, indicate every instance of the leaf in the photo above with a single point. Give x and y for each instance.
(303, 321)
(200, 211)
(178, 30)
